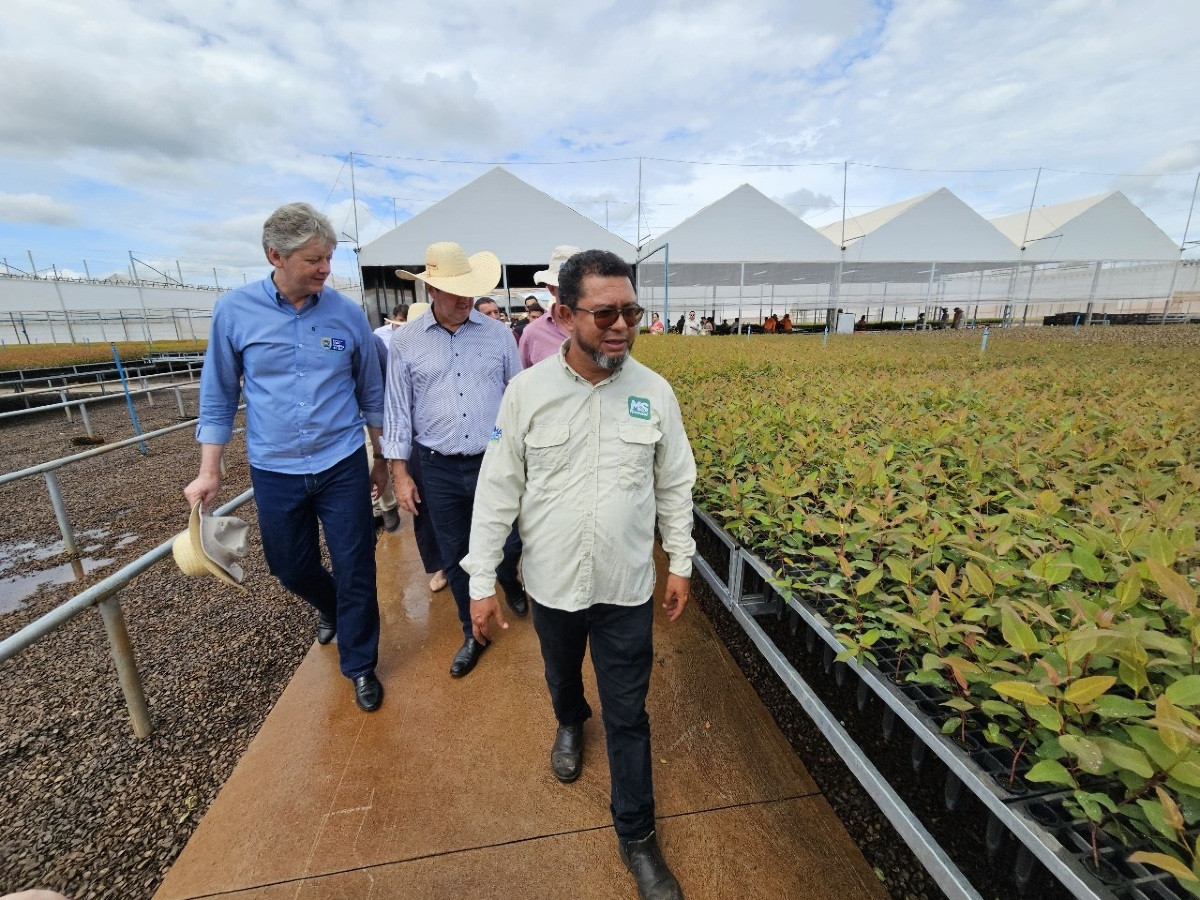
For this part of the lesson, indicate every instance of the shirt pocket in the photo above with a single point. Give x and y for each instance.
(636, 466)
(546, 460)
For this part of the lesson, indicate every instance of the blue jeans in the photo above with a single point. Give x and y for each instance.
(449, 495)
(290, 508)
(622, 655)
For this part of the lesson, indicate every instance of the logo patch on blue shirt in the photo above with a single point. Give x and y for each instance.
(639, 408)
(336, 344)
(495, 435)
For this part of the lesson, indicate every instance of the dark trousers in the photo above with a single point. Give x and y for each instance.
(622, 655)
(427, 545)
(291, 511)
(449, 497)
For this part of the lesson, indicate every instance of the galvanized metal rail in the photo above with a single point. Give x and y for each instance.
(105, 596)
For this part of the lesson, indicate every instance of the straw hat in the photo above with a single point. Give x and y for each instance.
(417, 309)
(212, 545)
(561, 254)
(449, 269)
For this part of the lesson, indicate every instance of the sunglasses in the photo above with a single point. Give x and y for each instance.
(606, 316)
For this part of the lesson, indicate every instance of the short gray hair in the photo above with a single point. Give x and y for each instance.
(292, 226)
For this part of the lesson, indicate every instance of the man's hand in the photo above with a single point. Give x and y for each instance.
(404, 487)
(379, 477)
(204, 489)
(484, 612)
(676, 596)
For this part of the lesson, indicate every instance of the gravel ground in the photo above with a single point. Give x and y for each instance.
(85, 807)
(89, 810)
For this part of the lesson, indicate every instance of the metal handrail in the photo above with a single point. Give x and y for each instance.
(104, 595)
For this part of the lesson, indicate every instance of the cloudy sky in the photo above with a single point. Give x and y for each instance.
(171, 128)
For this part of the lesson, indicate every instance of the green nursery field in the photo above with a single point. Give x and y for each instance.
(1017, 528)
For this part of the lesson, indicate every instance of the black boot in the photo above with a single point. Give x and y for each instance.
(645, 862)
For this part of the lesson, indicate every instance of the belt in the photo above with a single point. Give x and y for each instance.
(438, 453)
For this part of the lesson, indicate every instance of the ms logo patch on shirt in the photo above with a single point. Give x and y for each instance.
(639, 408)
(332, 343)
(495, 435)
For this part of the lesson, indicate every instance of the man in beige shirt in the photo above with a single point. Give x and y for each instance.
(589, 451)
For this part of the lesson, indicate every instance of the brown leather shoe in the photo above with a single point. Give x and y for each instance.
(645, 861)
(566, 756)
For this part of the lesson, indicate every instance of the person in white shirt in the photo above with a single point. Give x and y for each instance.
(691, 324)
(588, 453)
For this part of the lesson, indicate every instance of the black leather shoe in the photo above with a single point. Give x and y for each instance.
(368, 692)
(466, 657)
(645, 862)
(516, 599)
(391, 521)
(566, 756)
(326, 630)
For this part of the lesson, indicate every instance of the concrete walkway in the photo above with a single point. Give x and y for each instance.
(446, 791)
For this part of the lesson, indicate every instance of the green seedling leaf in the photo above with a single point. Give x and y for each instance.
(1086, 752)
(1171, 812)
(1124, 756)
(1173, 586)
(1051, 568)
(1047, 716)
(1017, 632)
(866, 585)
(1049, 771)
(899, 569)
(1022, 691)
(979, 579)
(1170, 725)
(1088, 564)
(1085, 690)
(1114, 707)
(1187, 772)
(1185, 691)
(1157, 818)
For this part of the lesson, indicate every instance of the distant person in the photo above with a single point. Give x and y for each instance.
(544, 336)
(943, 317)
(399, 317)
(447, 371)
(770, 323)
(488, 307)
(921, 320)
(679, 324)
(956, 322)
(590, 565)
(690, 325)
(306, 361)
(785, 324)
(656, 325)
(533, 311)
(723, 328)
(706, 326)
(861, 324)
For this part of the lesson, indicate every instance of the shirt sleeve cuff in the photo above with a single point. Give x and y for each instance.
(214, 434)
(396, 449)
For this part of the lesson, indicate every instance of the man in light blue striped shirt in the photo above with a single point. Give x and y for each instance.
(447, 370)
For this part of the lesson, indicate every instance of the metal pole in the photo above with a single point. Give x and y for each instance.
(85, 271)
(639, 204)
(122, 654)
(87, 420)
(666, 279)
(60, 513)
(1087, 319)
(1182, 247)
(137, 428)
(845, 177)
(32, 264)
(62, 396)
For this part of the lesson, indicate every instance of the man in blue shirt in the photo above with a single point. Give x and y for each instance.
(447, 370)
(305, 358)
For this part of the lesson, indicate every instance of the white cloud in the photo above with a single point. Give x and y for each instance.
(35, 209)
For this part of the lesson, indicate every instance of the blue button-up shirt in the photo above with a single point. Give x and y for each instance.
(310, 378)
(444, 389)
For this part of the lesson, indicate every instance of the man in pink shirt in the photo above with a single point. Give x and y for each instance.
(543, 337)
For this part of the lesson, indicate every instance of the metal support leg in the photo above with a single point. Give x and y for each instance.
(87, 420)
(62, 398)
(60, 513)
(122, 654)
(179, 402)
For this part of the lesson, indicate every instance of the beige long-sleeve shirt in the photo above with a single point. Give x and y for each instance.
(586, 470)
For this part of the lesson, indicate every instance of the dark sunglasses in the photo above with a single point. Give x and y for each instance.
(606, 316)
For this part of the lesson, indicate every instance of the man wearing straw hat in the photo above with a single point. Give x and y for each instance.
(447, 371)
(306, 360)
